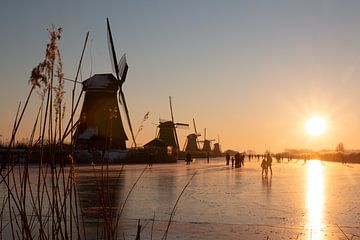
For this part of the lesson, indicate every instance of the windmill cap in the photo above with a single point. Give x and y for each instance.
(105, 81)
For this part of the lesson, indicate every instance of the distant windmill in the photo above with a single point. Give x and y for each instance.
(100, 120)
(191, 144)
(217, 148)
(206, 143)
(167, 130)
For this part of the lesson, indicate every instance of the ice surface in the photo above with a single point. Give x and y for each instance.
(302, 200)
(311, 200)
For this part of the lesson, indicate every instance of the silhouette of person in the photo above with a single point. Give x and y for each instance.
(188, 158)
(227, 157)
(242, 159)
(269, 162)
(150, 160)
(237, 160)
(264, 167)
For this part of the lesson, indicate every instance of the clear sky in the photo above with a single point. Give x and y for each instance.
(251, 72)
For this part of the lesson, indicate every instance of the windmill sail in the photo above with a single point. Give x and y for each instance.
(112, 50)
(123, 77)
(123, 67)
(172, 119)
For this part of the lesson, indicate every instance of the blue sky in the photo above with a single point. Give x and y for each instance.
(251, 72)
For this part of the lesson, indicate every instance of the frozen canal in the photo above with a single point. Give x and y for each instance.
(311, 200)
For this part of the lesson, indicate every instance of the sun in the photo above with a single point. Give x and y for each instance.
(316, 126)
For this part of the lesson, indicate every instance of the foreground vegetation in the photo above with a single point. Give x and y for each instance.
(46, 205)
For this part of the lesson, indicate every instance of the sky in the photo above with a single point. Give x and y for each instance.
(250, 72)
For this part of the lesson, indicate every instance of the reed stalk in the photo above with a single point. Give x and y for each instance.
(175, 206)
(128, 195)
(51, 224)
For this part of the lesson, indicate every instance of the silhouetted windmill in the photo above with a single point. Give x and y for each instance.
(100, 120)
(191, 144)
(217, 149)
(167, 130)
(206, 143)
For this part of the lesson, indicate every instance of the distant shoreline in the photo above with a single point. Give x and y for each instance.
(19, 156)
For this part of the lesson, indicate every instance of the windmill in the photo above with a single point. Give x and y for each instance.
(100, 121)
(217, 149)
(191, 144)
(167, 130)
(206, 143)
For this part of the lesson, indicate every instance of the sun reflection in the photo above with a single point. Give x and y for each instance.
(315, 199)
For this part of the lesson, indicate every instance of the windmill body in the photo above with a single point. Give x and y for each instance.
(217, 149)
(100, 123)
(167, 133)
(191, 143)
(206, 146)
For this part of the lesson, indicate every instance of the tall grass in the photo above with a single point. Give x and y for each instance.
(41, 210)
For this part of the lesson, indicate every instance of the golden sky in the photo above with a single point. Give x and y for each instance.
(250, 72)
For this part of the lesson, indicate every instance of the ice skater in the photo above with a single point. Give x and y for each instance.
(150, 163)
(227, 157)
(264, 168)
(269, 162)
(188, 158)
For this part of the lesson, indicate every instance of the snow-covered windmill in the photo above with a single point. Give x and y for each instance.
(100, 124)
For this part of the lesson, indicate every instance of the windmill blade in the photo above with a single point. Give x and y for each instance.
(122, 96)
(123, 68)
(184, 125)
(123, 76)
(112, 50)
(123, 72)
(186, 142)
(171, 110)
(172, 119)
(195, 127)
(196, 133)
